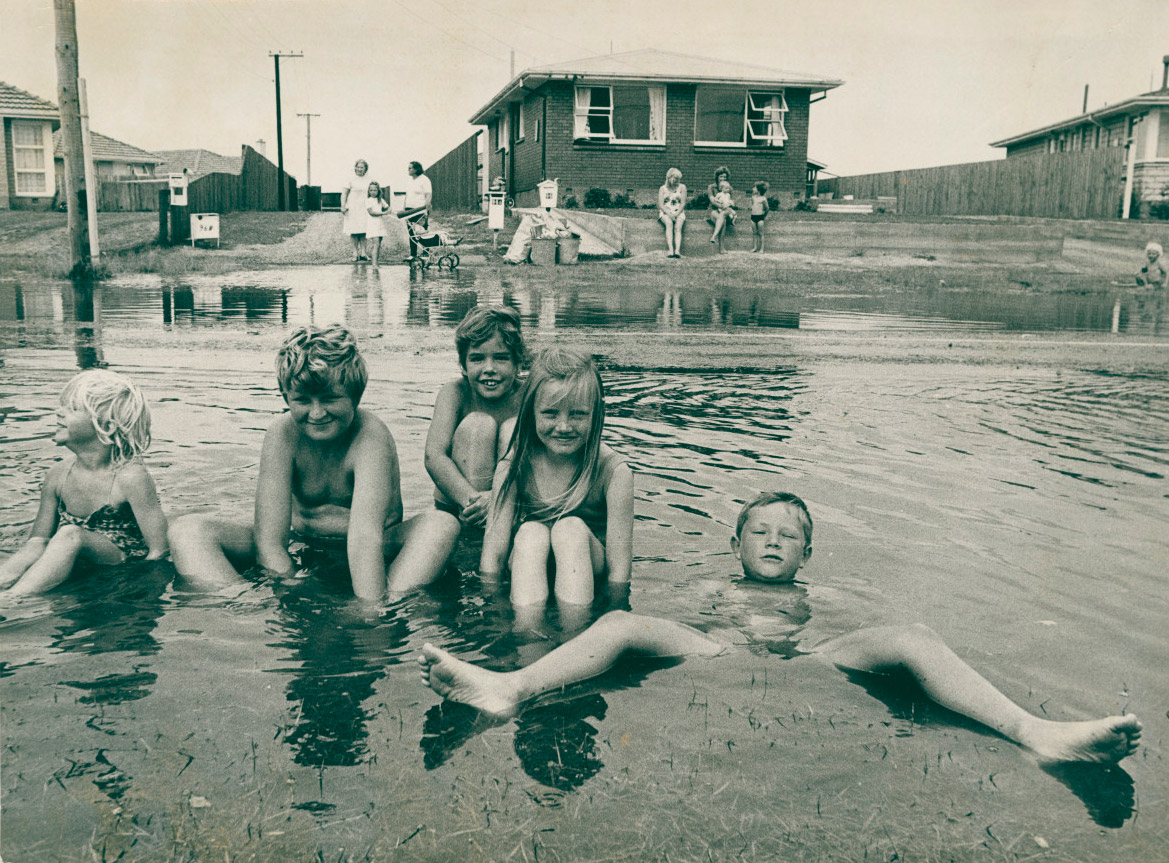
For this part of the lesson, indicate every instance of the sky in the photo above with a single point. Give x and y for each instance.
(925, 82)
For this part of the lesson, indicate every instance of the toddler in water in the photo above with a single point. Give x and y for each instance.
(1153, 273)
(773, 541)
(100, 506)
(559, 491)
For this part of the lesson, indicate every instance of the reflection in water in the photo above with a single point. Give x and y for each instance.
(86, 314)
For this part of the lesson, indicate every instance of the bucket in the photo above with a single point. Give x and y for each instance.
(569, 248)
(543, 251)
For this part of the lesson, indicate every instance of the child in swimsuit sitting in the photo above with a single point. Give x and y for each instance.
(103, 420)
(328, 475)
(559, 492)
(773, 541)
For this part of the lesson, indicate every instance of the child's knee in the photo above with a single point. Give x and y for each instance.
(477, 426)
(187, 529)
(571, 531)
(532, 534)
(69, 537)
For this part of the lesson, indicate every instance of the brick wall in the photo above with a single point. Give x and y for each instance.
(6, 150)
(620, 168)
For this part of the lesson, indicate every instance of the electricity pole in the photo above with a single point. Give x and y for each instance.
(308, 147)
(276, 55)
(69, 100)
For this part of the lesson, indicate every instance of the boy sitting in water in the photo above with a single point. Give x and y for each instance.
(328, 474)
(1153, 273)
(773, 540)
(475, 413)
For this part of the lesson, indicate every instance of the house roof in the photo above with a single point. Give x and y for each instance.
(15, 102)
(652, 66)
(1136, 105)
(199, 162)
(106, 149)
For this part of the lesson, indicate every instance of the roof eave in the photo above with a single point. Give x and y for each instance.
(1107, 111)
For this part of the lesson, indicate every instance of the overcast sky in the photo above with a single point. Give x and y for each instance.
(926, 82)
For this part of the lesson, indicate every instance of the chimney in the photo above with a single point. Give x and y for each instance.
(1165, 73)
(262, 147)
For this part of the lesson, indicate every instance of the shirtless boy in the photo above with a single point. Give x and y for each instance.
(328, 475)
(773, 540)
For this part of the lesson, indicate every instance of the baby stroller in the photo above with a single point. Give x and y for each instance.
(431, 247)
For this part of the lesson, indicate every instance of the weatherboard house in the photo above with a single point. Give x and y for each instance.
(1143, 118)
(619, 121)
(33, 158)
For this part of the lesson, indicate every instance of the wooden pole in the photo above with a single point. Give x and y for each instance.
(68, 99)
(90, 174)
(1130, 168)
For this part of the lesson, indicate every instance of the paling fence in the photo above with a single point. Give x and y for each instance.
(255, 187)
(1083, 184)
(454, 178)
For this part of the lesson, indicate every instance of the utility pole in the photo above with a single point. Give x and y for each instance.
(308, 147)
(69, 100)
(282, 191)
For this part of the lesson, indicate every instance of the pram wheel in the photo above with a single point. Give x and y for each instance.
(451, 260)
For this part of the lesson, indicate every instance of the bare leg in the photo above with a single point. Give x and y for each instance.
(669, 225)
(506, 428)
(720, 220)
(473, 449)
(201, 546)
(592, 652)
(952, 683)
(529, 564)
(679, 221)
(65, 548)
(579, 556)
(420, 547)
(376, 242)
(356, 238)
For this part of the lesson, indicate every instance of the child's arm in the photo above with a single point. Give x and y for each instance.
(273, 515)
(439, 436)
(619, 527)
(376, 495)
(139, 488)
(497, 537)
(42, 528)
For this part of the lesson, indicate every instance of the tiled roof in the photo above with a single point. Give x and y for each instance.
(107, 149)
(653, 65)
(15, 102)
(198, 162)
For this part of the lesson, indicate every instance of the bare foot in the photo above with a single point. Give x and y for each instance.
(461, 681)
(1099, 741)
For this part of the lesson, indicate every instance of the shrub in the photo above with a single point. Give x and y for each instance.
(807, 206)
(571, 203)
(598, 199)
(701, 201)
(773, 203)
(624, 202)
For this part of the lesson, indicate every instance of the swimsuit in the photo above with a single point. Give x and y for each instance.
(115, 523)
(593, 510)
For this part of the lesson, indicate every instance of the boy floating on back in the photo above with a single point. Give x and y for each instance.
(773, 540)
(328, 474)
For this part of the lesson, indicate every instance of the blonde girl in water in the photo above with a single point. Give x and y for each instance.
(100, 506)
(559, 492)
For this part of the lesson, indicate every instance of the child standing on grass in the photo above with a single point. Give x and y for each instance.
(375, 229)
(773, 541)
(759, 209)
(100, 506)
(328, 477)
(474, 414)
(559, 492)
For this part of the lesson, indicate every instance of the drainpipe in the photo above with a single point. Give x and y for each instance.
(1130, 169)
(544, 138)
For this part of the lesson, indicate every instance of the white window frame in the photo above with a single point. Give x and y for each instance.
(770, 116)
(46, 158)
(607, 111)
(519, 122)
(502, 131)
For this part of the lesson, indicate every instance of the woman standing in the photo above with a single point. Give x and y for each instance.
(353, 212)
(671, 211)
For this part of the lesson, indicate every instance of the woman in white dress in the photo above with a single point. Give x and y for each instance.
(353, 212)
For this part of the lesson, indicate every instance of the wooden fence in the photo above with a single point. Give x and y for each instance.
(455, 177)
(1083, 184)
(255, 187)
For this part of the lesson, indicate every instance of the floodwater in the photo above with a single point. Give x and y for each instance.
(1015, 502)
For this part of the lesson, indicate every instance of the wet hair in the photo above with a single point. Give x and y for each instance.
(483, 322)
(577, 370)
(722, 170)
(761, 187)
(1154, 247)
(673, 172)
(313, 360)
(417, 166)
(767, 498)
(360, 162)
(117, 409)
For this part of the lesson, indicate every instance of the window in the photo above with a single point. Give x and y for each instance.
(501, 132)
(620, 114)
(734, 117)
(519, 121)
(536, 126)
(1163, 137)
(30, 157)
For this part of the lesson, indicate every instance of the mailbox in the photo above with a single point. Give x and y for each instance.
(205, 226)
(178, 189)
(496, 204)
(549, 192)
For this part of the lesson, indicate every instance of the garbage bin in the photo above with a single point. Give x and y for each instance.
(568, 249)
(543, 251)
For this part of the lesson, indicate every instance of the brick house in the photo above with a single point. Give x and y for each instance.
(619, 121)
(1144, 119)
(33, 155)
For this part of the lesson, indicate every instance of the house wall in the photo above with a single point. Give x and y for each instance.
(639, 170)
(6, 167)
